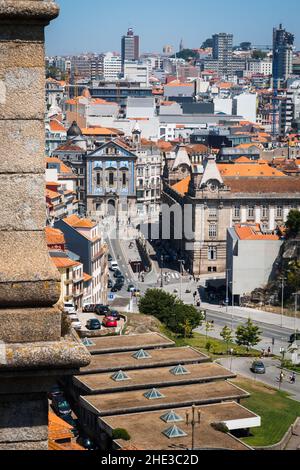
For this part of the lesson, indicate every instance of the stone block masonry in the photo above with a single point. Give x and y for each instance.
(33, 350)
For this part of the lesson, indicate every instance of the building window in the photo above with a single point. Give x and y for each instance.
(212, 253)
(212, 269)
(98, 178)
(251, 212)
(279, 212)
(111, 179)
(212, 231)
(237, 212)
(264, 211)
(212, 212)
(124, 180)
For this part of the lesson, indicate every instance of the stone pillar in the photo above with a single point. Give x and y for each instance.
(34, 348)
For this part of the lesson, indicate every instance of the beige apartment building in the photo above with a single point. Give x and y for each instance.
(202, 199)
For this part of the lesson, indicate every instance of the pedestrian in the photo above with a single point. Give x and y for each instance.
(293, 378)
(269, 351)
(263, 352)
(281, 376)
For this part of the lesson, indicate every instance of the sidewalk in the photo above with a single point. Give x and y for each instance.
(257, 315)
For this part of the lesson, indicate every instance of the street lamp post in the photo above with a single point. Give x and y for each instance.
(282, 279)
(181, 261)
(193, 422)
(295, 312)
(161, 271)
(227, 289)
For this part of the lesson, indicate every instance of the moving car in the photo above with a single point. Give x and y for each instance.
(258, 367)
(93, 324)
(109, 322)
(113, 313)
(130, 288)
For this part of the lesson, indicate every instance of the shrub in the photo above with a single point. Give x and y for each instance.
(120, 433)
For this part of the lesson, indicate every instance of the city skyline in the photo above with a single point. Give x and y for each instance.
(194, 24)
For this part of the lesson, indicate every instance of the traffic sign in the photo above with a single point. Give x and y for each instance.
(111, 296)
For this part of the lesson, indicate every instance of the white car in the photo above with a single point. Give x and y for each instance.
(114, 266)
(69, 308)
(77, 325)
(73, 317)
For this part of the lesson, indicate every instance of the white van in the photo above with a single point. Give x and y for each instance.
(114, 266)
(69, 308)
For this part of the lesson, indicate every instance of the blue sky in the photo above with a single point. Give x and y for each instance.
(97, 25)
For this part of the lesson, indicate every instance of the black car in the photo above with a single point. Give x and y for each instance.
(118, 274)
(109, 257)
(101, 309)
(55, 391)
(117, 287)
(109, 283)
(113, 313)
(93, 324)
(89, 308)
(294, 337)
(87, 443)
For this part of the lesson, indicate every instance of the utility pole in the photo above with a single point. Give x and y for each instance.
(295, 312)
(193, 422)
(227, 289)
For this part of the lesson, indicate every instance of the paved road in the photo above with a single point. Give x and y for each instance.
(241, 366)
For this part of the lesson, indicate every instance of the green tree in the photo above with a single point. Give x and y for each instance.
(258, 54)
(293, 223)
(209, 326)
(120, 433)
(207, 43)
(248, 334)
(180, 318)
(227, 335)
(187, 54)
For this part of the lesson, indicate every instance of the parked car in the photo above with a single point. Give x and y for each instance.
(114, 266)
(109, 283)
(114, 313)
(87, 443)
(93, 324)
(109, 257)
(109, 322)
(73, 317)
(88, 308)
(294, 337)
(115, 288)
(55, 391)
(101, 309)
(61, 406)
(76, 324)
(69, 308)
(118, 274)
(258, 367)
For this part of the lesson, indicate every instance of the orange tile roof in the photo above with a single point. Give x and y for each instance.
(54, 236)
(76, 222)
(52, 194)
(63, 168)
(248, 169)
(253, 232)
(58, 428)
(64, 262)
(98, 131)
(56, 126)
(87, 277)
(243, 160)
(246, 146)
(182, 186)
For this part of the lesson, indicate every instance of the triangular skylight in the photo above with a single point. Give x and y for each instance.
(153, 394)
(179, 370)
(120, 376)
(171, 417)
(141, 354)
(173, 432)
(88, 342)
